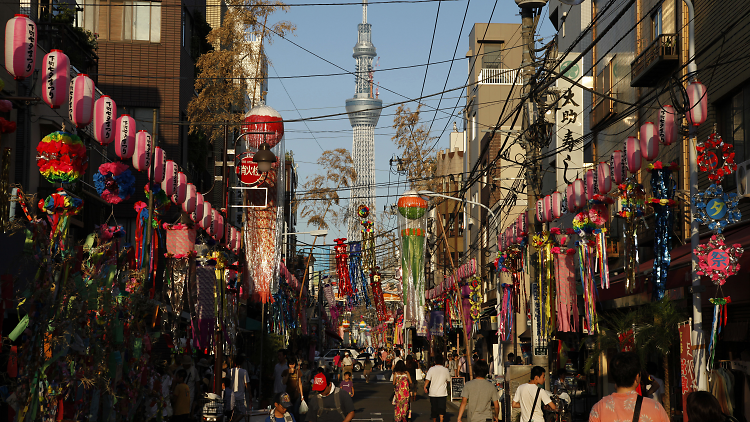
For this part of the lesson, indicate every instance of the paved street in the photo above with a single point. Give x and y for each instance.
(371, 401)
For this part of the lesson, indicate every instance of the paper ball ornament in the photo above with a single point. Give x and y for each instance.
(61, 157)
(56, 78)
(263, 118)
(114, 182)
(411, 206)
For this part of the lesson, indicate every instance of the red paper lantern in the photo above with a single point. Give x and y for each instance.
(56, 78)
(557, 207)
(20, 46)
(263, 118)
(105, 116)
(619, 167)
(604, 178)
(81, 106)
(171, 171)
(180, 191)
(579, 198)
(649, 141)
(125, 132)
(698, 103)
(633, 150)
(142, 155)
(667, 126)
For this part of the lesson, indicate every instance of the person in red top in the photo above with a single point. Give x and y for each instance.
(625, 404)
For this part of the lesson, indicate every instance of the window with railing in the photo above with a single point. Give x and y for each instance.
(492, 55)
(498, 76)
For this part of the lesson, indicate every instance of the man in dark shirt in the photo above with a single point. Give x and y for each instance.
(328, 403)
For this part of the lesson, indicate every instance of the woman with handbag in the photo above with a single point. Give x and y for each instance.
(294, 387)
(401, 392)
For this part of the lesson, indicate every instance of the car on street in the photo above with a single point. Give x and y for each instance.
(327, 358)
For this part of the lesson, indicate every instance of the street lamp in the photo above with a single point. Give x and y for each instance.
(264, 157)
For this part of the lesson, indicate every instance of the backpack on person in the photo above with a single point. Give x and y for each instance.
(337, 402)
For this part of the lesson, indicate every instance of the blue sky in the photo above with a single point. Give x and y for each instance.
(402, 34)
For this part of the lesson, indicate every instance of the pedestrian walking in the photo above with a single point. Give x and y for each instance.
(453, 365)
(401, 392)
(436, 386)
(328, 403)
(702, 406)
(411, 366)
(625, 403)
(530, 397)
(280, 411)
(294, 386)
(463, 368)
(239, 384)
(337, 366)
(347, 364)
(480, 397)
(180, 397)
(281, 368)
(347, 384)
(367, 366)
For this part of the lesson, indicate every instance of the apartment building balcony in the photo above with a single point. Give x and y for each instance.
(660, 57)
(498, 76)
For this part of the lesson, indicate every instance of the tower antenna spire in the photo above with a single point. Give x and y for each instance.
(364, 11)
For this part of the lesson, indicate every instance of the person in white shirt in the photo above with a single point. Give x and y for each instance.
(530, 397)
(239, 381)
(436, 386)
(278, 372)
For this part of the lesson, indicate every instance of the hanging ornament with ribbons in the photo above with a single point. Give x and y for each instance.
(543, 288)
(507, 313)
(356, 275)
(342, 270)
(663, 190)
(632, 208)
(412, 224)
(719, 321)
(377, 295)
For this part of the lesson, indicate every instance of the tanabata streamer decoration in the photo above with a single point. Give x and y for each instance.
(507, 313)
(346, 289)
(377, 296)
(719, 321)
(567, 307)
(59, 206)
(114, 182)
(663, 188)
(543, 288)
(56, 78)
(20, 46)
(718, 261)
(632, 205)
(368, 238)
(708, 159)
(357, 275)
(61, 157)
(412, 228)
(475, 297)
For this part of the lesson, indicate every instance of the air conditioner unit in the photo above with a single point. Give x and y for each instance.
(742, 176)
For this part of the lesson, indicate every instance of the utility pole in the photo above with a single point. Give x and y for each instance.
(531, 144)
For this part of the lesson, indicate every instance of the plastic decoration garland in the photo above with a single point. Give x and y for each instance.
(708, 160)
(507, 313)
(114, 182)
(377, 296)
(544, 287)
(368, 245)
(342, 269)
(719, 321)
(632, 205)
(717, 260)
(356, 275)
(61, 157)
(716, 208)
(475, 298)
(663, 189)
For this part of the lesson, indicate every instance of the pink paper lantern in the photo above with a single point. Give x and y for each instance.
(513, 232)
(579, 196)
(522, 224)
(125, 132)
(171, 172)
(160, 165)
(591, 187)
(649, 141)
(191, 199)
(667, 126)
(604, 178)
(180, 190)
(557, 208)
(698, 103)
(105, 116)
(142, 155)
(504, 239)
(81, 106)
(205, 220)
(619, 167)
(633, 150)
(56, 78)
(540, 210)
(20, 46)
(197, 213)
(547, 208)
(570, 199)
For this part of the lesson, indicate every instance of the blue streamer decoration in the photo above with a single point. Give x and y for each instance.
(662, 187)
(357, 275)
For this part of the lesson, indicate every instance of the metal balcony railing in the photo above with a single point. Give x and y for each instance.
(649, 66)
(498, 76)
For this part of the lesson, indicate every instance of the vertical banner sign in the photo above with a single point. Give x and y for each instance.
(687, 366)
(569, 123)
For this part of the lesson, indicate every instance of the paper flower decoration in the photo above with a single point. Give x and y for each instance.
(61, 157)
(599, 214)
(717, 260)
(708, 160)
(61, 203)
(114, 182)
(716, 208)
(582, 224)
(363, 211)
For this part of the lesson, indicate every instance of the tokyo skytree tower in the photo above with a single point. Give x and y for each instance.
(364, 112)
